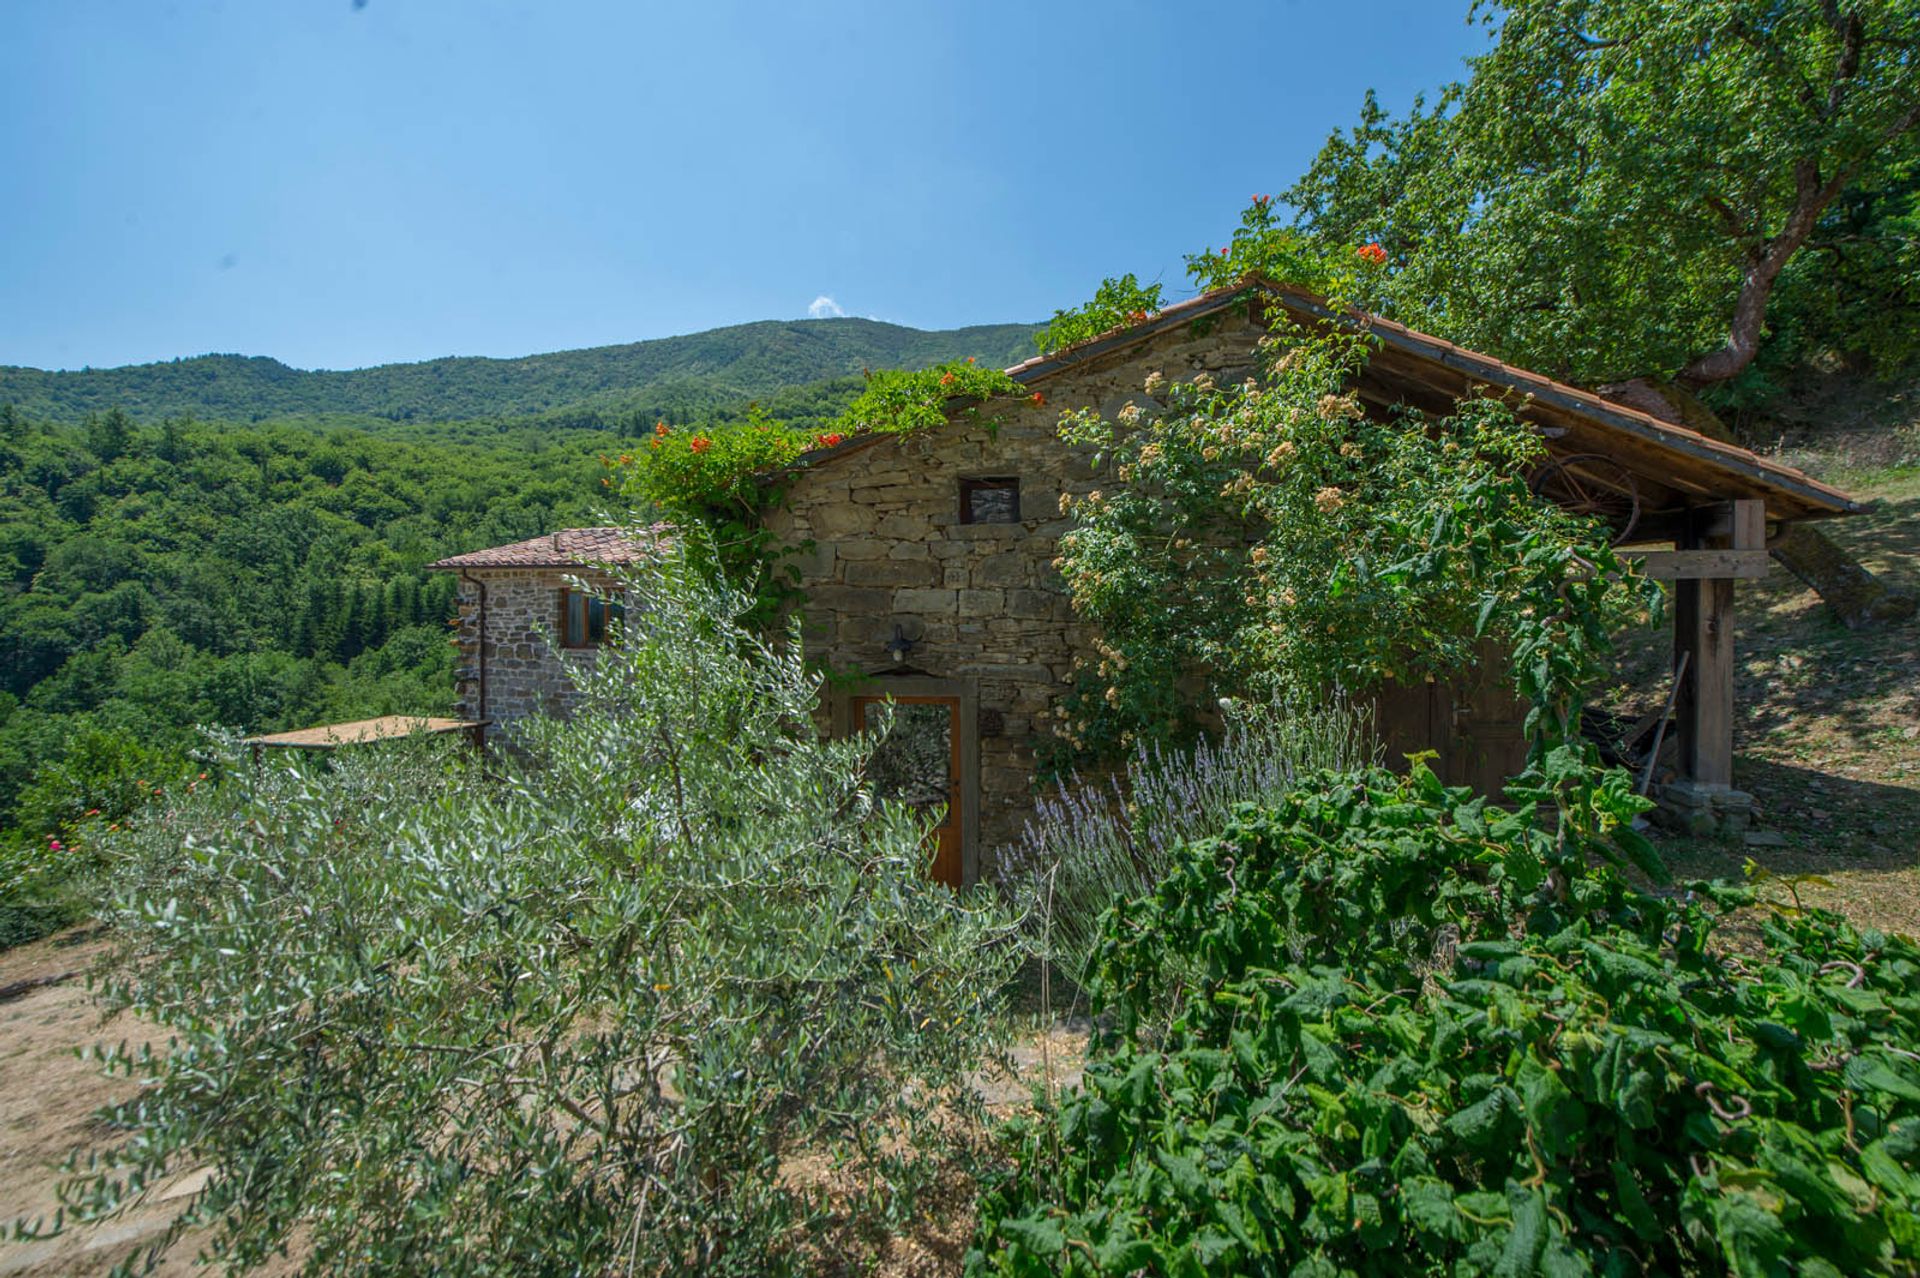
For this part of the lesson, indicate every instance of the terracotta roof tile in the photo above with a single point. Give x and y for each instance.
(386, 728)
(567, 548)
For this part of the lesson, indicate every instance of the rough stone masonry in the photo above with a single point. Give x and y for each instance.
(989, 610)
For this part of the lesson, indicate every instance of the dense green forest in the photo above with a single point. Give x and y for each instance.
(227, 541)
(674, 377)
(155, 578)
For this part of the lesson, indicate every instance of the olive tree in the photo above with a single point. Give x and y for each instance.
(664, 988)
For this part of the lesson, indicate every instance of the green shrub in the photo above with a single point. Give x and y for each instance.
(1117, 303)
(599, 1007)
(1428, 1036)
(900, 401)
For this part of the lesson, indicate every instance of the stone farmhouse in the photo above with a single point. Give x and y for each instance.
(927, 566)
(524, 619)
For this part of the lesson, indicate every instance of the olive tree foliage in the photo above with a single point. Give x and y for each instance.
(1619, 186)
(631, 1000)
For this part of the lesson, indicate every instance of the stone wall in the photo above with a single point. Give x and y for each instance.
(524, 668)
(984, 600)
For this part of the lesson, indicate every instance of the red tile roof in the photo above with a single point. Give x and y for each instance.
(568, 548)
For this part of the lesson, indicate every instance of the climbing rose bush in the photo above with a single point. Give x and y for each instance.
(1272, 538)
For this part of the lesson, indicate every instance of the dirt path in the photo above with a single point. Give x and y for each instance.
(48, 1096)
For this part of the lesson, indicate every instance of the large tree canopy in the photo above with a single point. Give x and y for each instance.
(1619, 187)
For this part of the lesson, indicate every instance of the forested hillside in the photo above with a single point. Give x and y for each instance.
(227, 540)
(157, 577)
(674, 376)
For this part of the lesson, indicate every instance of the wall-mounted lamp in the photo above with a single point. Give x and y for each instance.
(899, 646)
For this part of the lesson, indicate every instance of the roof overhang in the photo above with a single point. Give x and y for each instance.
(392, 727)
(1409, 366)
(567, 548)
(1682, 461)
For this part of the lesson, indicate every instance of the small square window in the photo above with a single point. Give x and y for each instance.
(990, 501)
(584, 618)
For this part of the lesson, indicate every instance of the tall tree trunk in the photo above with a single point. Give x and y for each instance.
(1768, 255)
(1856, 596)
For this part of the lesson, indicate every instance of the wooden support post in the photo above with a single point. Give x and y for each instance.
(1703, 631)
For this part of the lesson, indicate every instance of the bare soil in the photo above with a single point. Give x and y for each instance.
(49, 1095)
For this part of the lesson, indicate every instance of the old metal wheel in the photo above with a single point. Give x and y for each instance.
(1591, 484)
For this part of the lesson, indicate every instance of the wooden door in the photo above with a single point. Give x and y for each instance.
(1472, 721)
(1486, 744)
(919, 764)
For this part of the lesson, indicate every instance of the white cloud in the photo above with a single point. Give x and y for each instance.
(824, 307)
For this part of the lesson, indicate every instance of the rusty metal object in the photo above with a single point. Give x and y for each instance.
(1591, 484)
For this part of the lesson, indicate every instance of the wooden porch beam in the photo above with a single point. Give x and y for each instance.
(1703, 629)
(1699, 565)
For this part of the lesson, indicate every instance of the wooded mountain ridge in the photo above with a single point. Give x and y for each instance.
(670, 376)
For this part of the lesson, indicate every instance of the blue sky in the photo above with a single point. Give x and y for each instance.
(339, 184)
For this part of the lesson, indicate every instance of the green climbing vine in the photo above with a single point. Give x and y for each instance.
(725, 478)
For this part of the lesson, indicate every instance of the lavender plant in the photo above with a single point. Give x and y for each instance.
(1095, 842)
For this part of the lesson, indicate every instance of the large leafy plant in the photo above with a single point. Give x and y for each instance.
(1276, 537)
(1384, 1028)
(664, 988)
(1620, 187)
(1095, 842)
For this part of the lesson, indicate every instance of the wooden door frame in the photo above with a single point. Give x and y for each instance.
(966, 729)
